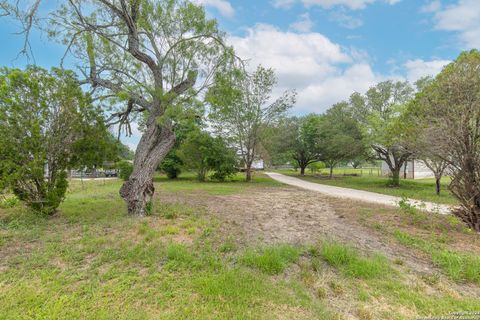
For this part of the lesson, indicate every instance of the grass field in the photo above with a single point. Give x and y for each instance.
(421, 189)
(91, 261)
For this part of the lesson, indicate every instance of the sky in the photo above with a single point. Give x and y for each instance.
(324, 49)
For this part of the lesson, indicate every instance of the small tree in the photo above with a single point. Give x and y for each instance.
(45, 118)
(448, 112)
(195, 152)
(340, 137)
(438, 166)
(303, 141)
(241, 108)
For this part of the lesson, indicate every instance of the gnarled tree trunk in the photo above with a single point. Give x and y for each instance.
(154, 145)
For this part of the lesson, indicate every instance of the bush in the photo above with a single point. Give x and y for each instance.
(47, 125)
(203, 153)
(171, 165)
(125, 168)
(8, 202)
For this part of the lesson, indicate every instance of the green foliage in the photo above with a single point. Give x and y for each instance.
(8, 202)
(340, 136)
(271, 260)
(126, 169)
(203, 153)
(315, 167)
(172, 165)
(301, 139)
(47, 125)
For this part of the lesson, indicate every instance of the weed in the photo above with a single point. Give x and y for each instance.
(228, 246)
(169, 230)
(271, 260)
(321, 293)
(364, 314)
(336, 287)
(348, 260)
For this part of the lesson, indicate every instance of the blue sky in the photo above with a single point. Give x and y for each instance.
(325, 49)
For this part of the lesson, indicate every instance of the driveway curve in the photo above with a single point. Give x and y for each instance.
(360, 195)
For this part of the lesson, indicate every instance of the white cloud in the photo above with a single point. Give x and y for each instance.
(463, 18)
(321, 71)
(223, 6)
(304, 24)
(351, 4)
(419, 68)
(345, 20)
(433, 6)
(283, 4)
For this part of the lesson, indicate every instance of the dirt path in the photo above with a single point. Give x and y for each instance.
(289, 215)
(359, 195)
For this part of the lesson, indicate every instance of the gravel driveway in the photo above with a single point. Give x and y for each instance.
(360, 195)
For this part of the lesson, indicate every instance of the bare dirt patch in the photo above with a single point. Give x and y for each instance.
(290, 215)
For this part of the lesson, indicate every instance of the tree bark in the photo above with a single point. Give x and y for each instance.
(154, 145)
(437, 185)
(302, 170)
(331, 172)
(248, 173)
(395, 177)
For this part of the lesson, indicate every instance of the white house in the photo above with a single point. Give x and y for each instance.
(412, 169)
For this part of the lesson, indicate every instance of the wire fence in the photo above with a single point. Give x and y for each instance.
(373, 171)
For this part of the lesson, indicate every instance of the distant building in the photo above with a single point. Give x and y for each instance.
(412, 169)
(258, 164)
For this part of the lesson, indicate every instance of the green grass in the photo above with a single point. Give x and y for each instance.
(352, 264)
(91, 261)
(271, 260)
(463, 267)
(422, 189)
(186, 182)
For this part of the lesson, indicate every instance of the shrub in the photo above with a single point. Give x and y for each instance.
(47, 125)
(203, 153)
(125, 168)
(8, 202)
(171, 165)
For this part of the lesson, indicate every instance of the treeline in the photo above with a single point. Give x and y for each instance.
(436, 120)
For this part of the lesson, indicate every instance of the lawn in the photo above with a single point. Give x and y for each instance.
(421, 189)
(91, 261)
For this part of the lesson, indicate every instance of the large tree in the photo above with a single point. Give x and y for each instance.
(378, 112)
(448, 111)
(46, 122)
(241, 108)
(143, 57)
